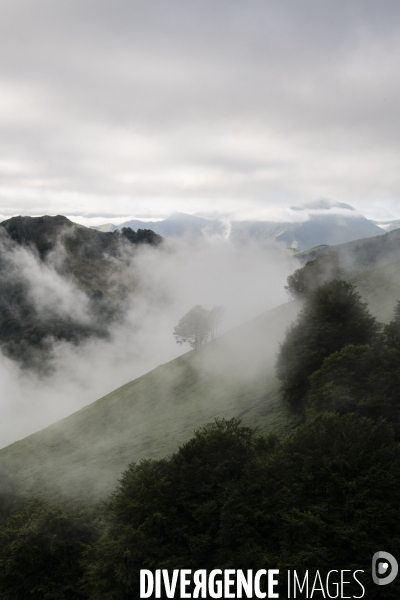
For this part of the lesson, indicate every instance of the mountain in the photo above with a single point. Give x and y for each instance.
(57, 282)
(44, 233)
(84, 454)
(316, 223)
(180, 225)
(329, 223)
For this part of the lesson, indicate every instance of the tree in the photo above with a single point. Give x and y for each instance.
(333, 316)
(166, 514)
(322, 269)
(327, 494)
(392, 329)
(362, 378)
(41, 548)
(316, 500)
(198, 326)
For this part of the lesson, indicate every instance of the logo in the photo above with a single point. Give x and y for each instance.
(384, 568)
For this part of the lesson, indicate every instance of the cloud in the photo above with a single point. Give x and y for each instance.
(160, 285)
(50, 294)
(150, 108)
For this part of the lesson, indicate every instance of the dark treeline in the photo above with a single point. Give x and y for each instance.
(325, 496)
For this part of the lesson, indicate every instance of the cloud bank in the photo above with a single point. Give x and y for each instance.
(161, 285)
(139, 109)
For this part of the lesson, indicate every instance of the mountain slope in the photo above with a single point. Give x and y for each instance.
(361, 255)
(85, 453)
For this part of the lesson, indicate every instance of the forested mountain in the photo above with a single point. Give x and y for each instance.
(58, 282)
(233, 376)
(320, 491)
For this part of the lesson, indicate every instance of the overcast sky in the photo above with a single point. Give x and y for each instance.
(140, 108)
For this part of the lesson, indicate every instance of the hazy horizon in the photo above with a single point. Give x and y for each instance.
(293, 214)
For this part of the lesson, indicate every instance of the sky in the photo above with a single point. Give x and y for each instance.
(134, 109)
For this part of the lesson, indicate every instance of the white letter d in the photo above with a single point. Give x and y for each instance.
(145, 574)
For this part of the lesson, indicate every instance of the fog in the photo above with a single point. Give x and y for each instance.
(163, 283)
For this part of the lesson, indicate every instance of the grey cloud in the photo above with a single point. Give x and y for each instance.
(202, 103)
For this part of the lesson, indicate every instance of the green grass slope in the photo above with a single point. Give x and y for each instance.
(233, 376)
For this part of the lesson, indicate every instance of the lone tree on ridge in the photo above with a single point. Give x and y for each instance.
(198, 326)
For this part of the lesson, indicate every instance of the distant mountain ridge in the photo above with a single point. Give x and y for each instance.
(325, 222)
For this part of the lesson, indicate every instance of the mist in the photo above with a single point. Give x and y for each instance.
(160, 285)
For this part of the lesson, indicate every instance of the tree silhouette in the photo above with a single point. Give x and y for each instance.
(198, 326)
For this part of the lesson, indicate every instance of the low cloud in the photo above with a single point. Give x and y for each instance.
(160, 286)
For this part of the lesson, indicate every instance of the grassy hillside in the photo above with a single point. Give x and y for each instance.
(85, 453)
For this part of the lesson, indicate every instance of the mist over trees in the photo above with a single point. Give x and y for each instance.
(198, 326)
(325, 493)
(333, 316)
(314, 273)
(70, 270)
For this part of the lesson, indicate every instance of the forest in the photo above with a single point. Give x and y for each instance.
(325, 495)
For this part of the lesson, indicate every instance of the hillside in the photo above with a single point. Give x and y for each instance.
(361, 255)
(85, 453)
